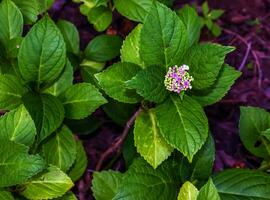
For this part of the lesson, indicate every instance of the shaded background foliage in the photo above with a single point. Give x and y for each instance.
(245, 25)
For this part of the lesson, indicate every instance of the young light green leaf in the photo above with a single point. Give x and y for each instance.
(60, 149)
(133, 9)
(103, 48)
(208, 192)
(225, 80)
(205, 8)
(46, 111)
(80, 100)
(148, 140)
(16, 165)
(192, 22)
(11, 21)
(252, 122)
(188, 192)
(149, 83)
(51, 184)
(183, 124)
(113, 82)
(67, 196)
(100, 17)
(105, 184)
(63, 83)
(80, 164)
(18, 126)
(203, 69)
(48, 53)
(131, 46)
(242, 184)
(71, 36)
(141, 181)
(202, 164)
(5, 195)
(29, 9)
(11, 92)
(215, 14)
(164, 39)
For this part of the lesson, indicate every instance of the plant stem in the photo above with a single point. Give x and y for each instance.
(119, 141)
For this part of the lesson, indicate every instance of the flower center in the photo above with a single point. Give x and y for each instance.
(178, 79)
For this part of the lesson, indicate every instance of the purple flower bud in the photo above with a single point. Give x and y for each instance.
(178, 79)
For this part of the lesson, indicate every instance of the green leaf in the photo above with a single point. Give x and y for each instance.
(252, 122)
(11, 21)
(100, 17)
(119, 112)
(60, 149)
(29, 9)
(103, 48)
(48, 53)
(113, 82)
(80, 100)
(188, 192)
(11, 92)
(63, 83)
(12, 48)
(208, 192)
(226, 78)
(141, 181)
(148, 140)
(68, 196)
(202, 164)
(215, 14)
(216, 30)
(183, 124)
(46, 111)
(18, 126)
(51, 184)
(129, 149)
(80, 164)
(105, 184)
(5, 195)
(164, 39)
(205, 8)
(71, 36)
(16, 165)
(131, 46)
(149, 83)
(192, 22)
(242, 184)
(204, 70)
(133, 9)
(44, 5)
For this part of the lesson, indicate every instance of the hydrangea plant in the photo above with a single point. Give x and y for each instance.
(165, 68)
(40, 157)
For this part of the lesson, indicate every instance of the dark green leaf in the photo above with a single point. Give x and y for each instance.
(164, 38)
(80, 100)
(60, 149)
(46, 111)
(252, 122)
(71, 36)
(113, 82)
(242, 184)
(149, 83)
(29, 9)
(103, 48)
(183, 124)
(16, 165)
(133, 9)
(100, 17)
(105, 184)
(48, 53)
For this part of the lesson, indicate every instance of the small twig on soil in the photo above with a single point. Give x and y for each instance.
(245, 57)
(257, 62)
(119, 141)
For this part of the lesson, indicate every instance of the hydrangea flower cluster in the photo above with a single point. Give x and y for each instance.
(178, 79)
